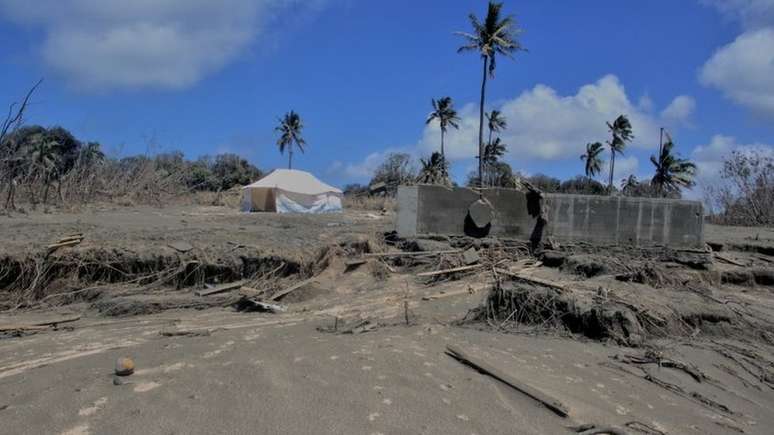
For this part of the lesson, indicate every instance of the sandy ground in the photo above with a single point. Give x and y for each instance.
(281, 373)
(144, 227)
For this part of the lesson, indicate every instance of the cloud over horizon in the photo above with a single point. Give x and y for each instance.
(166, 44)
(544, 126)
(743, 70)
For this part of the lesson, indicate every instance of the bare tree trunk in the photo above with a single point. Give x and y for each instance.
(481, 127)
(612, 171)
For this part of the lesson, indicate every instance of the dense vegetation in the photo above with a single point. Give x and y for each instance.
(44, 165)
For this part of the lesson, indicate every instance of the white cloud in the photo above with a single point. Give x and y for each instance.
(679, 110)
(543, 125)
(100, 44)
(625, 166)
(744, 69)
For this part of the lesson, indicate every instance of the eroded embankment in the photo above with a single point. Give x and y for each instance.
(630, 298)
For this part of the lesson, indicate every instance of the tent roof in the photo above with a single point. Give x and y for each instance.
(293, 180)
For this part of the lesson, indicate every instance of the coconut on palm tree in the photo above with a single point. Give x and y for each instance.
(592, 160)
(672, 172)
(621, 130)
(496, 35)
(290, 133)
(443, 111)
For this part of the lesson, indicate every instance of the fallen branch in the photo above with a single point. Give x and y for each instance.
(447, 271)
(220, 288)
(729, 261)
(39, 326)
(552, 404)
(533, 280)
(290, 289)
(411, 254)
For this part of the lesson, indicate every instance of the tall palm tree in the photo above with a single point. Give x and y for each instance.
(494, 36)
(621, 130)
(672, 172)
(290, 133)
(591, 157)
(496, 123)
(443, 111)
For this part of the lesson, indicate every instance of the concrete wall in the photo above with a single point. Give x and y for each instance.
(428, 209)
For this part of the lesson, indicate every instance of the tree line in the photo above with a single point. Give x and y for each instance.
(50, 165)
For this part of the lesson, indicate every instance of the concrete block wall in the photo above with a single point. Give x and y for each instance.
(426, 209)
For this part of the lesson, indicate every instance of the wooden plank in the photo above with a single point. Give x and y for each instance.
(447, 271)
(220, 288)
(554, 405)
(533, 280)
(292, 288)
(411, 254)
(729, 261)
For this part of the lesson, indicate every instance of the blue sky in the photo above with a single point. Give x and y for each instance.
(207, 77)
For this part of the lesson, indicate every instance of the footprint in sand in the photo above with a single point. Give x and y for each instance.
(91, 410)
(146, 386)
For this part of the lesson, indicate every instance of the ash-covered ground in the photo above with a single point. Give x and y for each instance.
(267, 323)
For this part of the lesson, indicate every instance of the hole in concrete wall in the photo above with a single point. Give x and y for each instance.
(472, 230)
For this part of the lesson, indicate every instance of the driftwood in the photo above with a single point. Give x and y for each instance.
(38, 326)
(533, 280)
(53, 247)
(290, 289)
(552, 404)
(729, 261)
(411, 254)
(185, 333)
(447, 271)
(220, 288)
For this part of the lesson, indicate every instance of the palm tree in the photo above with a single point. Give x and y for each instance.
(629, 185)
(434, 170)
(443, 111)
(494, 36)
(496, 123)
(90, 155)
(492, 153)
(591, 157)
(290, 133)
(672, 172)
(621, 129)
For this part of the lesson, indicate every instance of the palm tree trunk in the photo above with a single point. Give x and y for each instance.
(290, 157)
(481, 127)
(443, 154)
(612, 171)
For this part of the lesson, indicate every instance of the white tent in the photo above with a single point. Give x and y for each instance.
(291, 191)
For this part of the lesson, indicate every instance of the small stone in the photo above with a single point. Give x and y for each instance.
(124, 366)
(117, 380)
